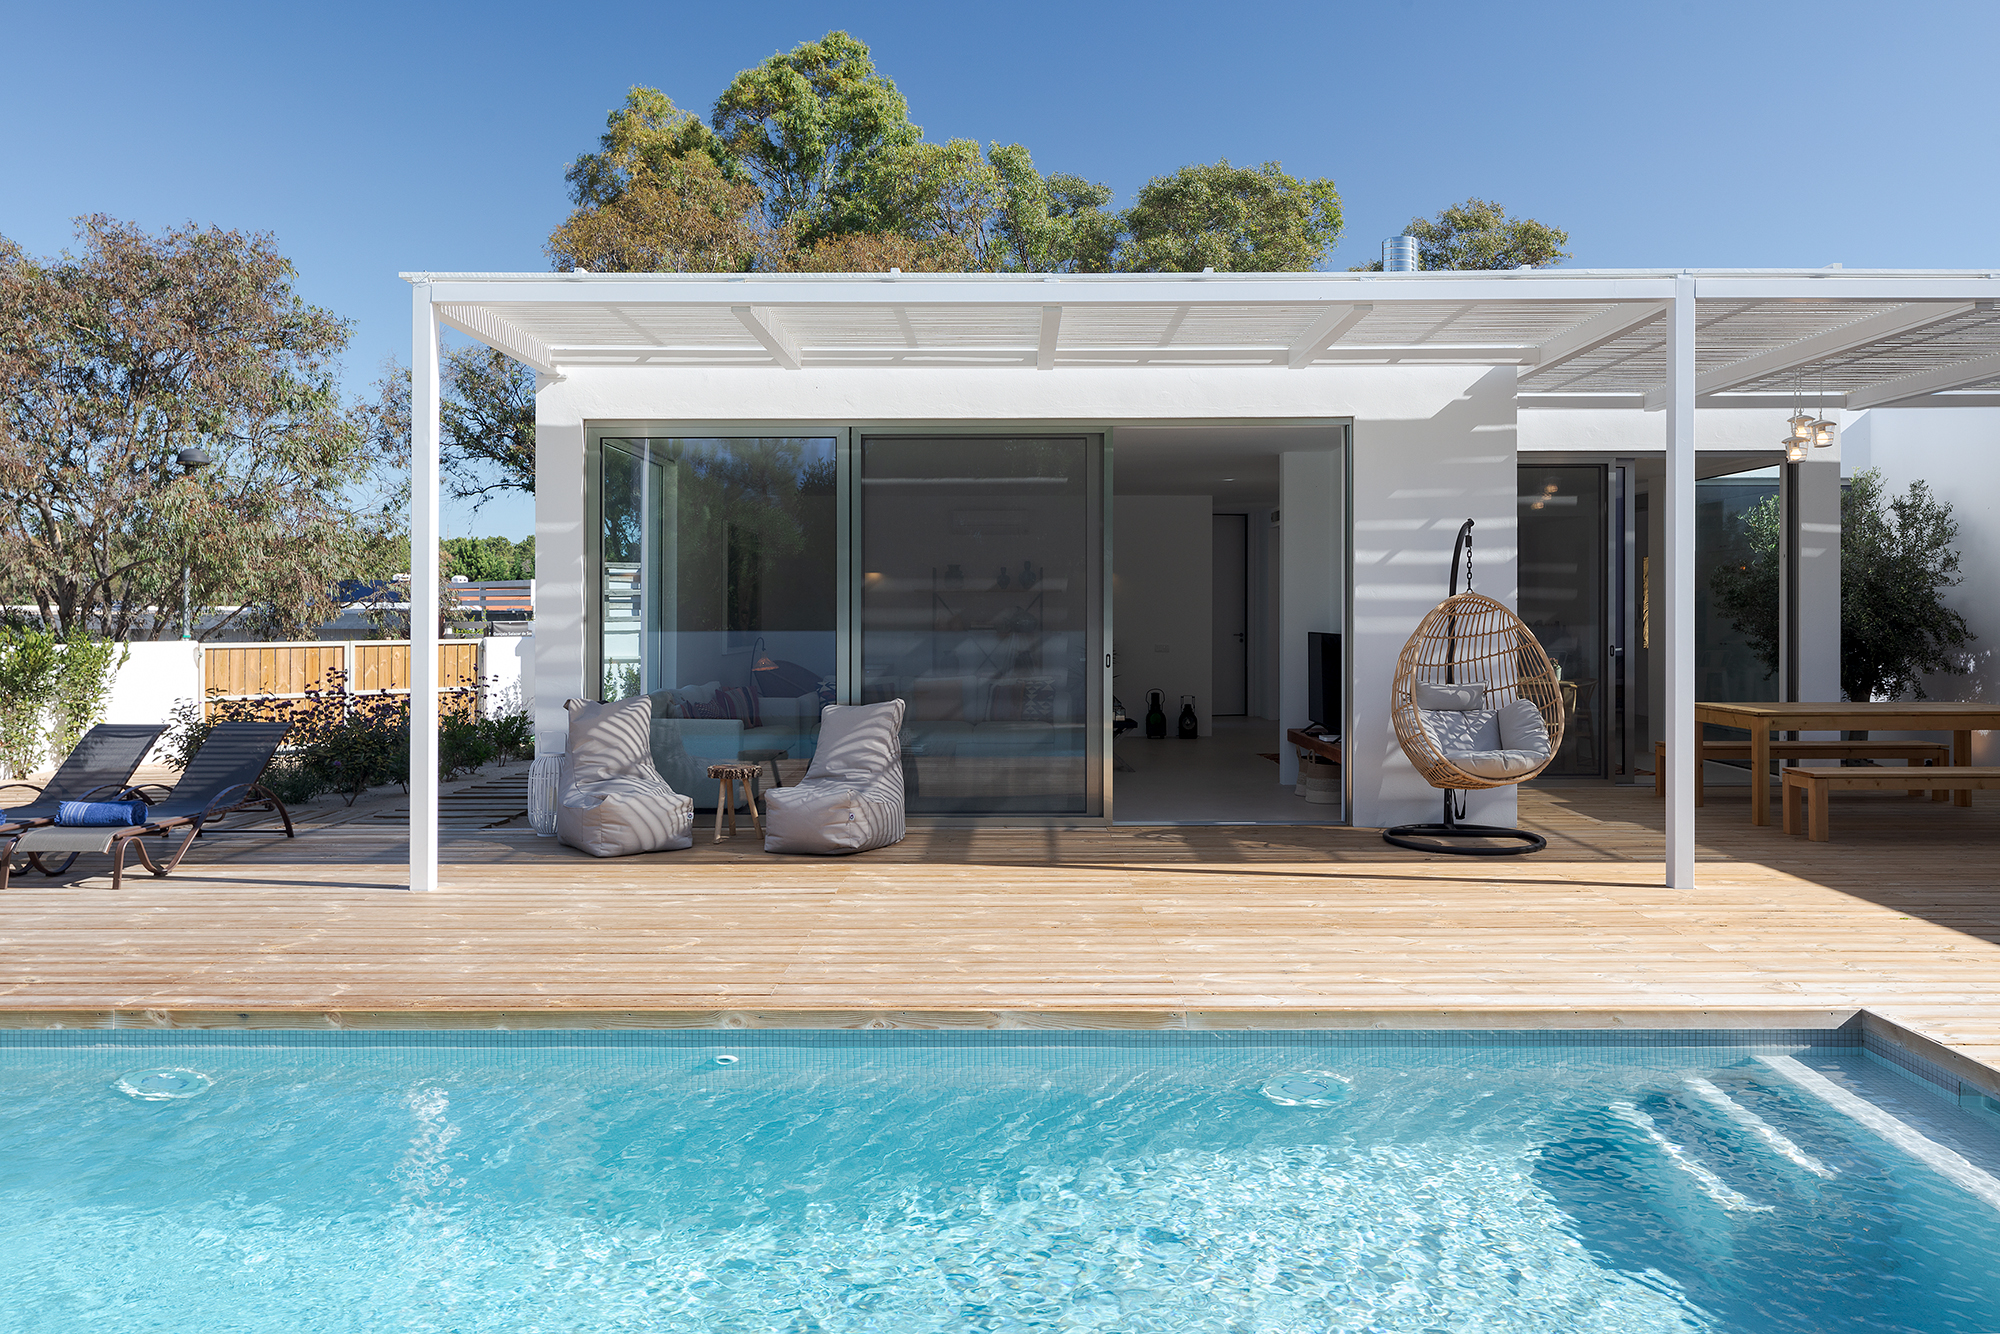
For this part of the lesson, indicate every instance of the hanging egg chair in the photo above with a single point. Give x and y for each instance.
(1477, 704)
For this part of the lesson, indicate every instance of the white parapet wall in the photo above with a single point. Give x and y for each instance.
(154, 677)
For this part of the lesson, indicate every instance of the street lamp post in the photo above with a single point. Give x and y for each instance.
(192, 460)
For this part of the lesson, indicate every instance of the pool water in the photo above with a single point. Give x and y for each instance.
(1281, 1184)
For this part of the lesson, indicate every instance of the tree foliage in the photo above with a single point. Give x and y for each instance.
(1478, 234)
(1896, 559)
(1230, 219)
(810, 127)
(483, 558)
(486, 421)
(810, 163)
(114, 360)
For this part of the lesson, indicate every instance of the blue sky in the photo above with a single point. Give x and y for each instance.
(372, 138)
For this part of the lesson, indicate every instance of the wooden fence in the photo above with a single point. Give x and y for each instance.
(357, 666)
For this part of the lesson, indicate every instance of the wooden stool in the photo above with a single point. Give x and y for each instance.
(728, 776)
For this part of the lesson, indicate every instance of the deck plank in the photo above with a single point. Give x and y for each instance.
(1901, 916)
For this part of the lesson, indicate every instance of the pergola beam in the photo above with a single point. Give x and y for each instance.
(1045, 352)
(777, 340)
(1926, 382)
(516, 342)
(1604, 327)
(1817, 347)
(1323, 332)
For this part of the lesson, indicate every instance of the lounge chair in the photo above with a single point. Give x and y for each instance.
(98, 767)
(851, 799)
(219, 780)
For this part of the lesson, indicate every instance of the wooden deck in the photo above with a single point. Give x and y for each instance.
(1900, 915)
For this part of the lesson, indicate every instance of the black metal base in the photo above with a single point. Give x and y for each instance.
(1406, 836)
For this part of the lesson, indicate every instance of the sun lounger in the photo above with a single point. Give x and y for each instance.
(220, 779)
(99, 767)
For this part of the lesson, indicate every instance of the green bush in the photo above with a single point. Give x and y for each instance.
(346, 743)
(51, 691)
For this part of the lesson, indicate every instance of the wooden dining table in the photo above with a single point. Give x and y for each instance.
(1961, 720)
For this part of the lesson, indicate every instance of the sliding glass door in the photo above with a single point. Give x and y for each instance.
(717, 592)
(979, 601)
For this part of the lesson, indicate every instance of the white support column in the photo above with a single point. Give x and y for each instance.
(424, 439)
(1679, 725)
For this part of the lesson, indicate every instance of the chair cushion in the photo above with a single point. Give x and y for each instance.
(858, 742)
(623, 813)
(1520, 744)
(610, 740)
(1456, 731)
(1455, 698)
(1498, 764)
(1522, 728)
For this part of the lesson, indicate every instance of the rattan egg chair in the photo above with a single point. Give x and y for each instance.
(1477, 704)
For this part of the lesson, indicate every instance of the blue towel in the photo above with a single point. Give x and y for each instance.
(101, 813)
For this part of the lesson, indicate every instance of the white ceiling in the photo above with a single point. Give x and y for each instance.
(1238, 466)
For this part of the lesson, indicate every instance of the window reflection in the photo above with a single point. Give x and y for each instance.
(976, 596)
(717, 596)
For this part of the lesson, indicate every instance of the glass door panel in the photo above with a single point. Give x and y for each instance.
(1565, 558)
(980, 603)
(717, 563)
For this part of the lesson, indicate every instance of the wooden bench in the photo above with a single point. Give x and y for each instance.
(1812, 785)
(1927, 752)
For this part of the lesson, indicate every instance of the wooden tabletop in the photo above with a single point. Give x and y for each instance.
(1326, 747)
(1913, 715)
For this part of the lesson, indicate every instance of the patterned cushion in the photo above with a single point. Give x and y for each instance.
(1028, 699)
(726, 702)
(1455, 732)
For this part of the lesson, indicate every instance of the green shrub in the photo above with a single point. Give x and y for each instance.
(346, 744)
(51, 691)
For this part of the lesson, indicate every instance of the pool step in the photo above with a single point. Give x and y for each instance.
(1711, 1185)
(1766, 1133)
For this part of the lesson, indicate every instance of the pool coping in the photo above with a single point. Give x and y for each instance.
(1921, 1056)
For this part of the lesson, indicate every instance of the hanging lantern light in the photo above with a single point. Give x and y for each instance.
(1822, 434)
(1802, 427)
(1795, 449)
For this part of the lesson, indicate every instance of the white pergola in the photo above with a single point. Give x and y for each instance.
(1672, 341)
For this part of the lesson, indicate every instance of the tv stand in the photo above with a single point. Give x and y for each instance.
(1326, 747)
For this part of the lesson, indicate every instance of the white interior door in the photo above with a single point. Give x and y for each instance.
(1231, 603)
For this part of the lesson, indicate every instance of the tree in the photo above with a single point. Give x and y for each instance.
(1895, 562)
(486, 421)
(1050, 224)
(485, 558)
(808, 126)
(1231, 219)
(114, 361)
(1478, 234)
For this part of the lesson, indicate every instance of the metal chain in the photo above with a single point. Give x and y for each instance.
(1468, 562)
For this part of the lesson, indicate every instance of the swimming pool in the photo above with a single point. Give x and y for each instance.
(894, 1181)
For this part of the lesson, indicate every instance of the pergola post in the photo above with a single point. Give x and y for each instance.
(424, 574)
(1682, 751)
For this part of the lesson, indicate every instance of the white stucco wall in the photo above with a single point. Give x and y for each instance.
(1416, 479)
(1162, 572)
(1957, 452)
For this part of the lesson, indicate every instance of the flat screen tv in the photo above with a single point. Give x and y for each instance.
(1323, 672)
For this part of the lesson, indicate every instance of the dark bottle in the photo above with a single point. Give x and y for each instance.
(1188, 727)
(1156, 714)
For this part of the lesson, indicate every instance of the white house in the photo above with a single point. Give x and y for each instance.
(1012, 500)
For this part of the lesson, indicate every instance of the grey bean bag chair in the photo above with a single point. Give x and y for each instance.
(851, 798)
(610, 801)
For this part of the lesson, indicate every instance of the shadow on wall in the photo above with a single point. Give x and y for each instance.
(1415, 482)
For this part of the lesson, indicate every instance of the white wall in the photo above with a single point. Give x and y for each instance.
(1161, 599)
(507, 666)
(1312, 578)
(1415, 480)
(1264, 581)
(1957, 452)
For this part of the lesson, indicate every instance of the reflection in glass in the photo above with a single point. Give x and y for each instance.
(980, 558)
(1564, 558)
(717, 569)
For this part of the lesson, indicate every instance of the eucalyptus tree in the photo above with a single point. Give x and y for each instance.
(1478, 234)
(124, 363)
